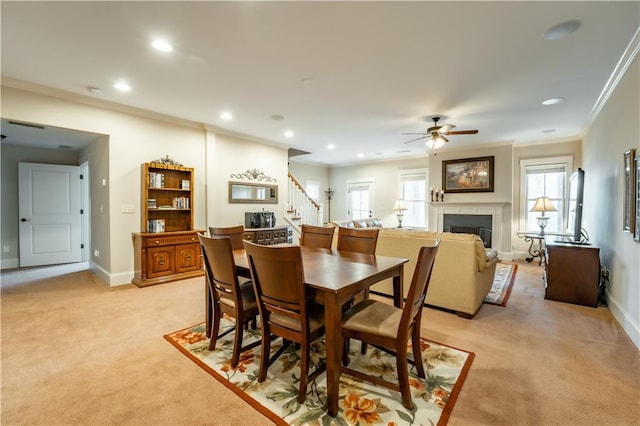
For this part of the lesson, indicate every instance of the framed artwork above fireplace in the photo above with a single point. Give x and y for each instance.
(468, 175)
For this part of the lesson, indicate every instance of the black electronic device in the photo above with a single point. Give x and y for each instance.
(576, 234)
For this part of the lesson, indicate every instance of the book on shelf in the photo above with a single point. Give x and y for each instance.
(166, 207)
(156, 180)
(185, 184)
(181, 203)
(151, 203)
(156, 225)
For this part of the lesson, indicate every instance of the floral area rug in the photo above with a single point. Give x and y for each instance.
(502, 284)
(360, 403)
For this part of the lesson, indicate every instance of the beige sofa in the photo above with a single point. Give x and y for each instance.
(462, 274)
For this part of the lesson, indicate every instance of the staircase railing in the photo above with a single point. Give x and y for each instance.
(302, 208)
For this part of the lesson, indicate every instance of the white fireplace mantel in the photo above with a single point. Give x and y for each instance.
(495, 209)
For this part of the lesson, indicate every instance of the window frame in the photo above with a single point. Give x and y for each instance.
(565, 162)
(413, 173)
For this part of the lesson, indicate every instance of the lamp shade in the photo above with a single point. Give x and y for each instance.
(543, 204)
(399, 206)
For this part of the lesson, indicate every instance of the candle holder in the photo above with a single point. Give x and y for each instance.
(437, 196)
(432, 195)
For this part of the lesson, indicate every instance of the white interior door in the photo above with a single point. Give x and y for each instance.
(360, 200)
(49, 211)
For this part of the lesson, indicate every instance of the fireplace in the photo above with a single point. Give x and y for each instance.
(478, 224)
(492, 210)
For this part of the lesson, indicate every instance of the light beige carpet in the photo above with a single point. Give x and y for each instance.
(76, 352)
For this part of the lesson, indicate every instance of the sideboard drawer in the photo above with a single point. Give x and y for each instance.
(171, 240)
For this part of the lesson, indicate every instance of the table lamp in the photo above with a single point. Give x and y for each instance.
(399, 208)
(543, 204)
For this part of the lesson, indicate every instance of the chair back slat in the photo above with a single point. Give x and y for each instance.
(220, 266)
(358, 240)
(235, 234)
(316, 236)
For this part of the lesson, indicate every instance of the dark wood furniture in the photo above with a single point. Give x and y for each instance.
(165, 257)
(167, 249)
(358, 240)
(317, 236)
(572, 273)
(228, 294)
(332, 278)
(235, 233)
(390, 328)
(269, 236)
(285, 311)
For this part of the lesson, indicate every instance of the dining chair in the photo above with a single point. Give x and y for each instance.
(228, 294)
(358, 240)
(235, 233)
(285, 311)
(316, 236)
(389, 328)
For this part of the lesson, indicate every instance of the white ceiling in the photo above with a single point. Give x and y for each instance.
(354, 74)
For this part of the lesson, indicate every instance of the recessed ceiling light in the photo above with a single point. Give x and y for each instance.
(552, 101)
(162, 46)
(331, 146)
(122, 86)
(288, 134)
(94, 90)
(548, 131)
(562, 30)
(360, 155)
(226, 116)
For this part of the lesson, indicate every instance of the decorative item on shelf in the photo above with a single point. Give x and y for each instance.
(431, 191)
(399, 207)
(254, 174)
(442, 195)
(329, 194)
(543, 204)
(437, 196)
(167, 161)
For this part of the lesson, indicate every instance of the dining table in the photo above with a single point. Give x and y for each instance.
(332, 279)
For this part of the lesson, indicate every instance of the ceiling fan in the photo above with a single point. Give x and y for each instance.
(436, 134)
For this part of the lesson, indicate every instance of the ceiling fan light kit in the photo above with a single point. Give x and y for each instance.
(436, 134)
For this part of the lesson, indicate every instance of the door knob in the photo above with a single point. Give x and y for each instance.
(24, 220)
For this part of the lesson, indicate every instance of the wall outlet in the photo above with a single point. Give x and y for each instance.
(96, 253)
(128, 208)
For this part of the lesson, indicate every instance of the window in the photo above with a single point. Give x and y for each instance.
(544, 177)
(413, 190)
(313, 189)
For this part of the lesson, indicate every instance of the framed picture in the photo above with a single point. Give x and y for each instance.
(636, 231)
(468, 175)
(629, 219)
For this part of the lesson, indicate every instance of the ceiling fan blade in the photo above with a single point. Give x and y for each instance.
(420, 133)
(417, 139)
(462, 132)
(445, 128)
(445, 139)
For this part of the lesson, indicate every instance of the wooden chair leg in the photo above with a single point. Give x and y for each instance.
(403, 376)
(215, 329)
(237, 342)
(304, 374)
(345, 351)
(266, 349)
(417, 355)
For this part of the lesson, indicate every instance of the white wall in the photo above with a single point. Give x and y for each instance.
(616, 130)
(133, 137)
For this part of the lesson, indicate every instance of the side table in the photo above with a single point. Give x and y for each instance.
(536, 247)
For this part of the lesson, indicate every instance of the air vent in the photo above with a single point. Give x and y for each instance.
(65, 147)
(33, 126)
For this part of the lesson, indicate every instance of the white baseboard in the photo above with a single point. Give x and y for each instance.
(113, 280)
(626, 322)
(10, 263)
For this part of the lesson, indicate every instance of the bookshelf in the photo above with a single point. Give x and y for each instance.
(167, 248)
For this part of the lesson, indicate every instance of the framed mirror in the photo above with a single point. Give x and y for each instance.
(256, 193)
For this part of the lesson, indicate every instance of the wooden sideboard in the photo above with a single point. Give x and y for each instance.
(269, 236)
(165, 257)
(572, 273)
